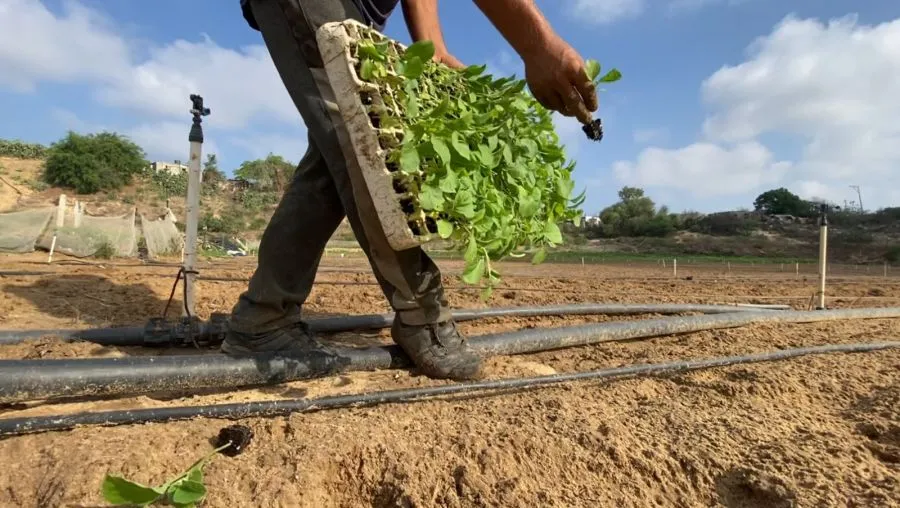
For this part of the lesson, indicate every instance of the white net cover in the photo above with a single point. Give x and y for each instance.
(117, 236)
(19, 231)
(161, 236)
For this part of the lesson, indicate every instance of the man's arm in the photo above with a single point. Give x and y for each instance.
(422, 21)
(554, 70)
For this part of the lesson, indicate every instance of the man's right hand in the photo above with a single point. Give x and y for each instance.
(554, 70)
(556, 75)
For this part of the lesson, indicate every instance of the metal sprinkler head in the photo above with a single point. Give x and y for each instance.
(197, 108)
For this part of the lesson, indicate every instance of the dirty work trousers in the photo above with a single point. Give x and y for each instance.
(322, 191)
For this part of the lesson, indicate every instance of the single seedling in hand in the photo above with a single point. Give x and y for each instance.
(594, 129)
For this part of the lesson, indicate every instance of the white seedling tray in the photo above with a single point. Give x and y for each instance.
(335, 45)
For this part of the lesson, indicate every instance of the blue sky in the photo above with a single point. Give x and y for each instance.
(720, 100)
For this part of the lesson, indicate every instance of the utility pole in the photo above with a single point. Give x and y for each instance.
(859, 195)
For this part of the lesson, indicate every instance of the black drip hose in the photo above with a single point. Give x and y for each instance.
(17, 426)
(44, 379)
(134, 335)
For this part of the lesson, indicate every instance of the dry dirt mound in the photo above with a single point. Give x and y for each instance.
(818, 431)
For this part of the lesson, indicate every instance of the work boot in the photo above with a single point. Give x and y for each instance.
(294, 339)
(438, 350)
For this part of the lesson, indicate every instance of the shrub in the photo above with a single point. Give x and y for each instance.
(168, 184)
(271, 174)
(258, 223)
(257, 200)
(22, 150)
(727, 224)
(229, 223)
(635, 215)
(105, 251)
(93, 162)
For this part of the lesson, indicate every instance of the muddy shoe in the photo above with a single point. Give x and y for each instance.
(439, 351)
(294, 339)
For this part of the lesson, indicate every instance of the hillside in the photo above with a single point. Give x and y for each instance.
(853, 238)
(225, 212)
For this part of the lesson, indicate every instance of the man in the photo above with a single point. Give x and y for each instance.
(267, 316)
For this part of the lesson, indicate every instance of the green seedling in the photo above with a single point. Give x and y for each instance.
(183, 491)
(593, 71)
(475, 158)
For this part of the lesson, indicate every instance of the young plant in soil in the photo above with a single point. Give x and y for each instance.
(475, 159)
(186, 489)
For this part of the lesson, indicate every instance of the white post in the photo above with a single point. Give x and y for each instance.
(193, 202)
(61, 211)
(823, 252)
(78, 212)
(192, 210)
(52, 247)
(729, 267)
(675, 267)
(797, 269)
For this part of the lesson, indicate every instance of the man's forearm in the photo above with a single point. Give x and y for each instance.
(520, 22)
(422, 20)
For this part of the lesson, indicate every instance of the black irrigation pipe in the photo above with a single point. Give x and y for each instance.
(257, 409)
(134, 335)
(22, 380)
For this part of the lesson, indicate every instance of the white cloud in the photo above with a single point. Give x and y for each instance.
(168, 141)
(259, 145)
(651, 135)
(601, 12)
(677, 6)
(36, 45)
(236, 85)
(70, 121)
(81, 46)
(704, 169)
(831, 86)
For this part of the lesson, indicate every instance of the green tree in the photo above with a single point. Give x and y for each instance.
(270, 174)
(636, 215)
(212, 175)
(93, 162)
(782, 202)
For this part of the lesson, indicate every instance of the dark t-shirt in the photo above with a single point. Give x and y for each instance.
(375, 12)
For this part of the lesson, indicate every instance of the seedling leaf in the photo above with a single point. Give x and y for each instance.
(609, 77)
(441, 149)
(409, 158)
(423, 50)
(188, 492)
(593, 69)
(445, 229)
(461, 148)
(473, 273)
(552, 233)
(119, 491)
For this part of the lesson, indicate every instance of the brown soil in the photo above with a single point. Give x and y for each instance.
(816, 431)
(14, 174)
